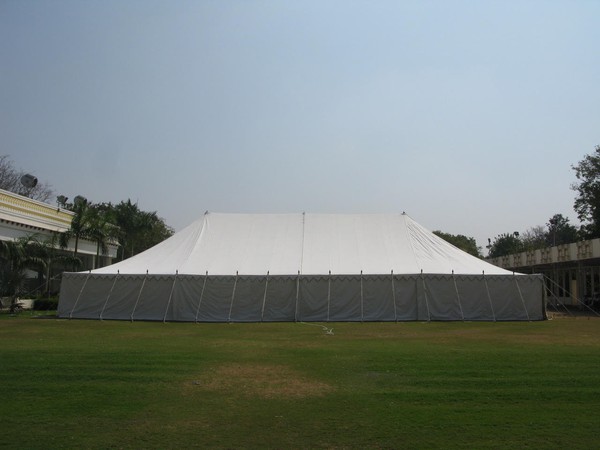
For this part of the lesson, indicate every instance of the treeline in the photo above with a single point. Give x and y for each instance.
(557, 231)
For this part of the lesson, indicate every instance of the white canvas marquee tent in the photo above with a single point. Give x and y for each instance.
(302, 267)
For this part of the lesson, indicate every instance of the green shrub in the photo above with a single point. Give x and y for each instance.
(46, 304)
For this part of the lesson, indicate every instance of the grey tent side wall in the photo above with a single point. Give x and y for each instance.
(200, 298)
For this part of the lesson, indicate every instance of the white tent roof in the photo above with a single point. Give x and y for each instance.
(312, 244)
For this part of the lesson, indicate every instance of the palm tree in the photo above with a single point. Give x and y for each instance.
(15, 258)
(80, 225)
(48, 250)
(101, 230)
(131, 222)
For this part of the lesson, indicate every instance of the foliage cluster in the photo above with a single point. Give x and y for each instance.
(558, 231)
(124, 224)
(46, 304)
(27, 253)
(10, 180)
(465, 243)
(587, 203)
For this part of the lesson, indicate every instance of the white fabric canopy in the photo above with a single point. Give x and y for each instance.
(302, 267)
(312, 244)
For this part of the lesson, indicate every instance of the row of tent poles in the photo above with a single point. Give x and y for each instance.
(558, 305)
(139, 296)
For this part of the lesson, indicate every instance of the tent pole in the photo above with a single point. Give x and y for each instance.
(109, 294)
(297, 295)
(394, 298)
(80, 292)
(362, 316)
(139, 295)
(170, 296)
(487, 288)
(462, 314)
(426, 299)
(328, 294)
(201, 295)
(232, 297)
(262, 311)
(522, 299)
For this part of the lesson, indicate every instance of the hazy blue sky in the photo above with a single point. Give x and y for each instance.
(465, 114)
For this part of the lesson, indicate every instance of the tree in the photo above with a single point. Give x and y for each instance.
(80, 224)
(48, 250)
(15, 258)
(139, 230)
(560, 231)
(467, 244)
(587, 203)
(534, 238)
(100, 230)
(10, 180)
(506, 244)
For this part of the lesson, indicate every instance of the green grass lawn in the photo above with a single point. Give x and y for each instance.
(92, 384)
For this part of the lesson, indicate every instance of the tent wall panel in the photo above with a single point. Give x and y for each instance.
(312, 299)
(280, 303)
(153, 298)
(442, 299)
(422, 299)
(473, 296)
(93, 297)
(120, 303)
(185, 298)
(378, 298)
(506, 299)
(249, 296)
(345, 299)
(532, 289)
(407, 302)
(69, 292)
(216, 301)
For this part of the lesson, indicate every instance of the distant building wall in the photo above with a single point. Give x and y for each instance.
(572, 270)
(21, 216)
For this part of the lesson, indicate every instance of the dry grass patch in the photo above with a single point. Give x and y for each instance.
(266, 381)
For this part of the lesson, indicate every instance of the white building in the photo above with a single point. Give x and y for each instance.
(21, 216)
